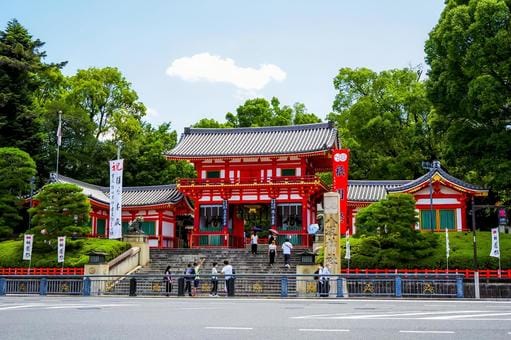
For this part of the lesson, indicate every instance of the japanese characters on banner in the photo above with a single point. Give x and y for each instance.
(225, 209)
(61, 249)
(28, 241)
(348, 246)
(273, 210)
(340, 183)
(495, 246)
(115, 225)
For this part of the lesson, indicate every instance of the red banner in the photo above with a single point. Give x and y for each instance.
(340, 167)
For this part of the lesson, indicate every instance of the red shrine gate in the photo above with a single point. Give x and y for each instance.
(255, 179)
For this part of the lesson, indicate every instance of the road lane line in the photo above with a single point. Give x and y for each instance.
(20, 306)
(429, 332)
(322, 330)
(449, 317)
(231, 328)
(371, 316)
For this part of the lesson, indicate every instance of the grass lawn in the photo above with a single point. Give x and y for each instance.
(44, 255)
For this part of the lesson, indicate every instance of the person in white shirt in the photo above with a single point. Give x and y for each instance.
(228, 272)
(324, 279)
(214, 280)
(253, 243)
(272, 251)
(286, 250)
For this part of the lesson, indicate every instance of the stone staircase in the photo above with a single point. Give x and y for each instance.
(242, 261)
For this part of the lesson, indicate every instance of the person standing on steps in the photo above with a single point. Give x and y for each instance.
(196, 279)
(228, 272)
(189, 276)
(168, 281)
(214, 280)
(253, 243)
(286, 250)
(272, 251)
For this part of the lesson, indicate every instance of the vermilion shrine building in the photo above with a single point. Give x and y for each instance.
(265, 178)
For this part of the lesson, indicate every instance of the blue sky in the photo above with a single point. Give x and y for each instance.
(201, 59)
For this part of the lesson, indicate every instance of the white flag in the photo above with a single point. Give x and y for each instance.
(447, 248)
(27, 247)
(61, 249)
(495, 244)
(348, 250)
(59, 131)
(115, 226)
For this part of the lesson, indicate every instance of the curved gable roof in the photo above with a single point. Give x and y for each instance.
(258, 141)
(131, 196)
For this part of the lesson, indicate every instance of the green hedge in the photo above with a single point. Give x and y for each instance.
(461, 254)
(45, 255)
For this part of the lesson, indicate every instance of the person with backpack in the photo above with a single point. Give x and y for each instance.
(189, 277)
(168, 281)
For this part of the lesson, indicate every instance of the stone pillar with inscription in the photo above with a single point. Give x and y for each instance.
(332, 249)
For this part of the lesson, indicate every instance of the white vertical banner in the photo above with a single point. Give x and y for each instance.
(447, 247)
(61, 249)
(495, 244)
(115, 226)
(28, 241)
(348, 246)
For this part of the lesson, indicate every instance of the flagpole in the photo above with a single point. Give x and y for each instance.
(59, 141)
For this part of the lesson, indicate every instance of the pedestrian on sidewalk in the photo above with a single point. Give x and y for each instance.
(228, 272)
(324, 278)
(189, 277)
(272, 251)
(286, 250)
(214, 280)
(196, 279)
(253, 243)
(168, 281)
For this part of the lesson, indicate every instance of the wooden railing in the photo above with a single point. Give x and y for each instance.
(251, 180)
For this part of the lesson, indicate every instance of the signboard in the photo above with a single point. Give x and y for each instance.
(225, 209)
(502, 217)
(115, 225)
(61, 249)
(273, 210)
(495, 246)
(340, 183)
(28, 241)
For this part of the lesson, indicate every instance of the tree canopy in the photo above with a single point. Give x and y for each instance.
(384, 119)
(469, 53)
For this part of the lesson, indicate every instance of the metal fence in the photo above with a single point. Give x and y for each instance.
(246, 285)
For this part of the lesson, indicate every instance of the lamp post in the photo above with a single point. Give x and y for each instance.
(474, 243)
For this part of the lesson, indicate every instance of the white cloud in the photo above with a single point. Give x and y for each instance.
(204, 66)
(152, 113)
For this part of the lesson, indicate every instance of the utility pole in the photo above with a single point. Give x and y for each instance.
(476, 270)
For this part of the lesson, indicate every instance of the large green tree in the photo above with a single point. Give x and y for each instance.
(384, 118)
(469, 53)
(60, 205)
(261, 112)
(387, 230)
(16, 170)
(21, 78)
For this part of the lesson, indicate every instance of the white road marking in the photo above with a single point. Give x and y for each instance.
(429, 332)
(351, 316)
(231, 328)
(449, 317)
(20, 306)
(322, 330)
(88, 306)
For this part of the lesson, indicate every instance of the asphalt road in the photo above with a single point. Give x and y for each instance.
(222, 318)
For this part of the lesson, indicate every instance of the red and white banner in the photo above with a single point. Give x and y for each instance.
(115, 227)
(495, 243)
(341, 158)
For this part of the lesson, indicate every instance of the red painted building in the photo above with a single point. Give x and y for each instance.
(442, 201)
(251, 178)
(161, 207)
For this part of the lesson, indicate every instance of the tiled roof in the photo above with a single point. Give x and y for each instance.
(437, 168)
(259, 141)
(131, 196)
(371, 191)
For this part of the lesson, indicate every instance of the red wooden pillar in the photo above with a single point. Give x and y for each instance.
(305, 199)
(160, 228)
